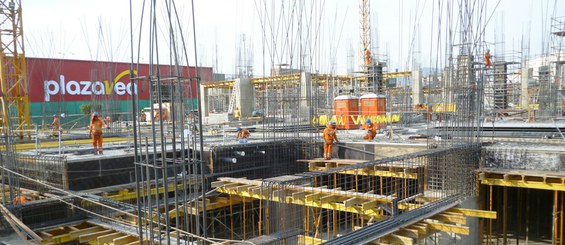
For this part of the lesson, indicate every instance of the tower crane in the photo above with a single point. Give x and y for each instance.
(372, 69)
(13, 82)
(367, 59)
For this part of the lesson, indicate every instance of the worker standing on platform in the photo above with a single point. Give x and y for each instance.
(237, 113)
(96, 126)
(487, 59)
(329, 137)
(371, 130)
(56, 125)
(242, 134)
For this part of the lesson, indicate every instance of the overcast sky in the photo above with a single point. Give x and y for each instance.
(324, 33)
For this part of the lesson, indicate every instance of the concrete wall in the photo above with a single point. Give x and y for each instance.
(381, 150)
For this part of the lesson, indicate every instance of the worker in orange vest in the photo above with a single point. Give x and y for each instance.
(56, 125)
(371, 130)
(96, 126)
(19, 199)
(487, 59)
(368, 57)
(242, 134)
(142, 116)
(329, 137)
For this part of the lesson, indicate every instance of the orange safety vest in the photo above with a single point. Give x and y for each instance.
(329, 134)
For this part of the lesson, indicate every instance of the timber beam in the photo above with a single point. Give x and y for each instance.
(384, 170)
(542, 180)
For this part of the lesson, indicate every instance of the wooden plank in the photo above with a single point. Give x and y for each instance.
(352, 202)
(462, 230)
(369, 205)
(457, 219)
(413, 233)
(328, 199)
(299, 195)
(125, 240)
(101, 240)
(313, 197)
(216, 184)
(76, 234)
(92, 236)
(397, 239)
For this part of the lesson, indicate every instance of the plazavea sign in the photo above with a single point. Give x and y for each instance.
(57, 80)
(81, 88)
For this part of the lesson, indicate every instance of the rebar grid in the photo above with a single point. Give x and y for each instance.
(323, 204)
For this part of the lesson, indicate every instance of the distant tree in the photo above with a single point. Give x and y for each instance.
(87, 109)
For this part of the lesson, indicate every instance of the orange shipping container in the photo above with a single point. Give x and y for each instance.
(346, 110)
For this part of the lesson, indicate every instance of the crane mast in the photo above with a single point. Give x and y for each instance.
(13, 82)
(366, 60)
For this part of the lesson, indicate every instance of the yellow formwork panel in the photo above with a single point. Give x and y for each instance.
(312, 200)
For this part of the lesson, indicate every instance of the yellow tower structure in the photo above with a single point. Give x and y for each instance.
(13, 82)
(364, 11)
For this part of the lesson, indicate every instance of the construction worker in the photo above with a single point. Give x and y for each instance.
(242, 134)
(236, 113)
(371, 130)
(108, 120)
(160, 114)
(19, 199)
(142, 116)
(56, 125)
(368, 57)
(487, 59)
(329, 137)
(96, 126)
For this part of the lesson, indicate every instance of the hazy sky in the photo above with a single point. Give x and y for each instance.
(280, 32)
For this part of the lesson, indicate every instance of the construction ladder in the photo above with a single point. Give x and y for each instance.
(234, 91)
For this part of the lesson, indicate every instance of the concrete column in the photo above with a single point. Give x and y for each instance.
(245, 97)
(204, 101)
(305, 94)
(417, 90)
(446, 83)
(524, 98)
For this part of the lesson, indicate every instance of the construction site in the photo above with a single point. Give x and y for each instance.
(469, 152)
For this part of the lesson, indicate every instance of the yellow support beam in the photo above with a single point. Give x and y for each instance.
(124, 195)
(381, 173)
(525, 184)
(219, 84)
(398, 74)
(475, 213)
